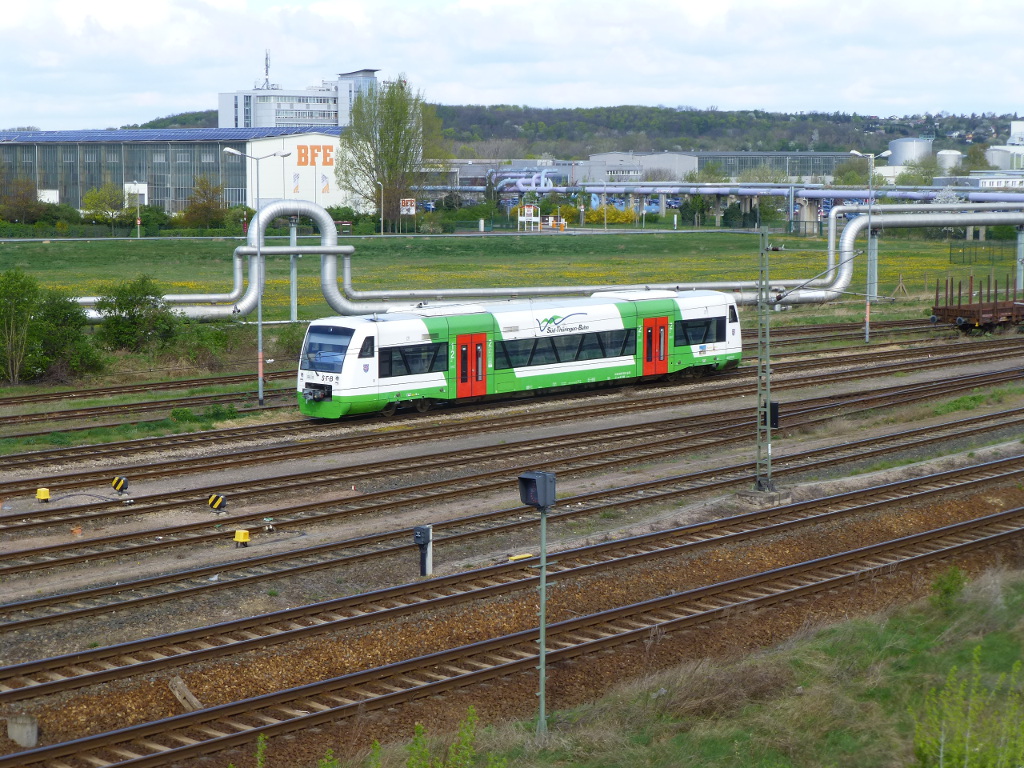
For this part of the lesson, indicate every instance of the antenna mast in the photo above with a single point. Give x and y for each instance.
(266, 71)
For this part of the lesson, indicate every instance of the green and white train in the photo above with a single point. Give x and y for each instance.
(416, 358)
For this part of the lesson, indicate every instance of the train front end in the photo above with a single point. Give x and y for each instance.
(336, 377)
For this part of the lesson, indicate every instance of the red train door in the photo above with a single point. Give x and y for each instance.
(655, 345)
(471, 365)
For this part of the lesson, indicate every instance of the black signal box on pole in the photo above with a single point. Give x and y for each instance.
(537, 489)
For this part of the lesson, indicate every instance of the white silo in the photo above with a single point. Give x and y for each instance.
(909, 150)
(949, 158)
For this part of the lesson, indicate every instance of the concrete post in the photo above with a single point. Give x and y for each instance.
(23, 730)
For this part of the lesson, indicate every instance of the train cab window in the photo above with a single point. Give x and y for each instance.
(733, 317)
(324, 348)
(367, 349)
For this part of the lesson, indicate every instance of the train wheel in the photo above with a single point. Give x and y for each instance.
(422, 406)
(389, 409)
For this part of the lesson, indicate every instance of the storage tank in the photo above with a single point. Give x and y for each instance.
(909, 150)
(949, 158)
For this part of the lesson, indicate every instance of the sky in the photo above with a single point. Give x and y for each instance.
(68, 64)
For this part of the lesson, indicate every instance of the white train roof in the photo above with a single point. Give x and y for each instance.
(601, 298)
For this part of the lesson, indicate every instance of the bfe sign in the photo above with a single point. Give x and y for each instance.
(408, 206)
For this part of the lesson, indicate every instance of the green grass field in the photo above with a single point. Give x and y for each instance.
(204, 266)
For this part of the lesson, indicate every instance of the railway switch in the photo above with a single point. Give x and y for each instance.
(42, 495)
(241, 538)
(423, 537)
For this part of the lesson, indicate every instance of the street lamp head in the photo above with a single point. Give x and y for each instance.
(852, 152)
(281, 153)
(885, 154)
(232, 151)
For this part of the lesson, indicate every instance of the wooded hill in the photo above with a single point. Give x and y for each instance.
(506, 131)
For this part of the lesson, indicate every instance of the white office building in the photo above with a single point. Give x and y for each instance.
(270, 106)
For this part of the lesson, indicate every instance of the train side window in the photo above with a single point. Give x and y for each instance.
(440, 363)
(464, 363)
(700, 331)
(543, 353)
(501, 361)
(567, 347)
(367, 349)
(384, 364)
(590, 348)
(616, 343)
(518, 352)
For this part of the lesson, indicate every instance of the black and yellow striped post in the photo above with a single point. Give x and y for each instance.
(120, 484)
(217, 502)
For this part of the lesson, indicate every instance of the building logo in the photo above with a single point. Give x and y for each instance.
(314, 154)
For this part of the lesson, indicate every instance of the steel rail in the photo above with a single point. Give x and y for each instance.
(41, 557)
(42, 516)
(167, 468)
(297, 515)
(143, 407)
(47, 676)
(127, 389)
(236, 724)
(171, 586)
(91, 452)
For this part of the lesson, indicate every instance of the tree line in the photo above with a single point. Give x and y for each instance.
(45, 334)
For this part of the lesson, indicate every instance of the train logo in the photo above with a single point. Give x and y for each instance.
(556, 323)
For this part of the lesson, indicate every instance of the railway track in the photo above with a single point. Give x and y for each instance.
(206, 400)
(127, 409)
(53, 675)
(631, 443)
(236, 724)
(144, 388)
(663, 399)
(673, 490)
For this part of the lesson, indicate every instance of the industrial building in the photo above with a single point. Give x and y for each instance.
(161, 166)
(328, 105)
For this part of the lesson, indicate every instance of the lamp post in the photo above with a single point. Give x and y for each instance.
(138, 219)
(259, 267)
(872, 282)
(381, 185)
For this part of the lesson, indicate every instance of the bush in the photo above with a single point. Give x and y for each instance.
(59, 350)
(947, 588)
(135, 316)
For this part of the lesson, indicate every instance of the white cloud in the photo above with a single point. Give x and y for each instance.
(69, 64)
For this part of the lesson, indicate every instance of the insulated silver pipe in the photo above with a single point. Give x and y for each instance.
(833, 216)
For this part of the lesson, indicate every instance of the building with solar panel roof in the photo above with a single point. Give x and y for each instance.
(161, 165)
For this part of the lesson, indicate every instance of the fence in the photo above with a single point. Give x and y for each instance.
(990, 252)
